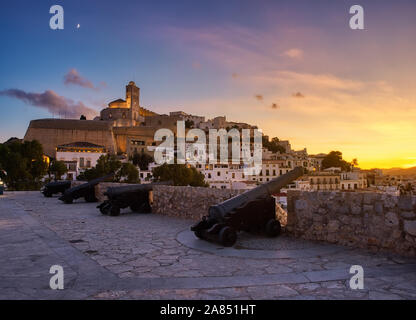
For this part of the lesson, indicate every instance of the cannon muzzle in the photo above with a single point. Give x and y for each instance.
(262, 191)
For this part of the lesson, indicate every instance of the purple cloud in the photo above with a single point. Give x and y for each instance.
(73, 77)
(52, 102)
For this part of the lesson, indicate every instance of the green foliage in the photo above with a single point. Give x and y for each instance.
(106, 164)
(22, 165)
(129, 172)
(142, 160)
(189, 124)
(57, 168)
(180, 174)
(334, 159)
(273, 145)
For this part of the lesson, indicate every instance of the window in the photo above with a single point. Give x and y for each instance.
(233, 175)
(218, 173)
(267, 172)
(88, 163)
(81, 162)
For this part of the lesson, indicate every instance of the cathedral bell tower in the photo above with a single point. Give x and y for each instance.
(133, 101)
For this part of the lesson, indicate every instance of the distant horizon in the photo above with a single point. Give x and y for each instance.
(293, 68)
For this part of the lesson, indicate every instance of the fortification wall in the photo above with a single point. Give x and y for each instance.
(188, 202)
(53, 132)
(368, 220)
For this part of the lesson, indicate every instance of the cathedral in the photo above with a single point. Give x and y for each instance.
(123, 127)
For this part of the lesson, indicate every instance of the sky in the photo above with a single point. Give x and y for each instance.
(293, 68)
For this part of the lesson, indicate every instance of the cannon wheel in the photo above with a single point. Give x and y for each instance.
(273, 228)
(227, 236)
(104, 208)
(114, 210)
(198, 234)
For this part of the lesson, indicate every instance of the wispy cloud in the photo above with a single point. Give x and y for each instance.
(259, 97)
(298, 95)
(74, 78)
(293, 53)
(52, 102)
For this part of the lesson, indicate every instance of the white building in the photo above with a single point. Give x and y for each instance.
(79, 156)
(353, 180)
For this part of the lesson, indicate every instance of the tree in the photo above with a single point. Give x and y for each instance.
(273, 145)
(106, 164)
(189, 124)
(334, 159)
(58, 168)
(129, 172)
(22, 164)
(354, 162)
(180, 174)
(142, 160)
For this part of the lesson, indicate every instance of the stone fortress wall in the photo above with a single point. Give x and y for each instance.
(53, 132)
(188, 202)
(374, 221)
(368, 220)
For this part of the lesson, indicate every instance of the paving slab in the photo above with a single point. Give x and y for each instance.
(135, 256)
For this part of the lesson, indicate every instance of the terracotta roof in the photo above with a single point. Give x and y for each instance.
(79, 144)
(118, 100)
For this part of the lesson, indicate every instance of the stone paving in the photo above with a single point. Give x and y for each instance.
(150, 256)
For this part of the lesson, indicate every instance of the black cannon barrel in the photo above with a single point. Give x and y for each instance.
(267, 189)
(112, 191)
(91, 183)
(54, 184)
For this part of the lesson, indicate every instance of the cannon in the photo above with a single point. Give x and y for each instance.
(51, 188)
(252, 211)
(137, 197)
(86, 190)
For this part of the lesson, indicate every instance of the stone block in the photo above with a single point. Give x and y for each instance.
(405, 203)
(301, 204)
(378, 207)
(369, 198)
(368, 208)
(333, 225)
(408, 215)
(355, 209)
(391, 219)
(410, 227)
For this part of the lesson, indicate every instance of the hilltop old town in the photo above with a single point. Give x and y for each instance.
(125, 128)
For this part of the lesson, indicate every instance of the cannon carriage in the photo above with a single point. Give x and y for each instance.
(137, 197)
(252, 211)
(85, 190)
(52, 188)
